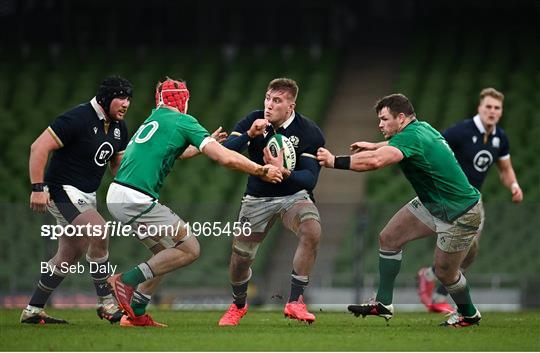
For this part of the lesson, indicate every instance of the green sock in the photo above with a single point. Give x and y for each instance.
(460, 292)
(389, 265)
(139, 303)
(138, 274)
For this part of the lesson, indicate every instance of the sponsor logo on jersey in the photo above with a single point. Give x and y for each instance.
(482, 161)
(294, 140)
(81, 202)
(117, 133)
(103, 154)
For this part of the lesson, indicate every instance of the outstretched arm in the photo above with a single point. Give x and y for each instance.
(361, 161)
(236, 161)
(367, 146)
(192, 151)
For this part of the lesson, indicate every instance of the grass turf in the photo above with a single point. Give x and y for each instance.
(269, 331)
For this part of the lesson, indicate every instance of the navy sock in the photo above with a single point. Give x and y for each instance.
(298, 284)
(48, 282)
(239, 290)
(99, 270)
(240, 293)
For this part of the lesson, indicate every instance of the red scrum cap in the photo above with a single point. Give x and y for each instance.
(173, 93)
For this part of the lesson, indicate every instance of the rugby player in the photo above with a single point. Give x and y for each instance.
(447, 205)
(133, 197)
(83, 141)
(477, 144)
(291, 200)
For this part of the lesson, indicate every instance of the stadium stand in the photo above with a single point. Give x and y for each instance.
(225, 82)
(442, 73)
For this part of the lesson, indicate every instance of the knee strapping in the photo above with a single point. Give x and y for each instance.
(159, 243)
(309, 212)
(245, 248)
(99, 260)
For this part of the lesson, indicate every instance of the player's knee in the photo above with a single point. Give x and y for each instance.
(245, 250)
(310, 233)
(471, 255)
(69, 256)
(446, 274)
(98, 249)
(389, 241)
(191, 249)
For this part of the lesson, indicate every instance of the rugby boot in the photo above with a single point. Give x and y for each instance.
(372, 308)
(458, 320)
(297, 310)
(108, 309)
(233, 315)
(142, 320)
(34, 315)
(123, 293)
(425, 288)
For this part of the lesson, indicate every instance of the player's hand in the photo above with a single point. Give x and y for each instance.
(257, 128)
(362, 146)
(39, 200)
(271, 174)
(276, 161)
(325, 158)
(220, 136)
(517, 194)
(269, 159)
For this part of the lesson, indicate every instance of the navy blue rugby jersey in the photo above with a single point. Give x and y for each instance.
(306, 137)
(466, 139)
(86, 147)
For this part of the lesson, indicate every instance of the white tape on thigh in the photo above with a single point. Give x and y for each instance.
(245, 248)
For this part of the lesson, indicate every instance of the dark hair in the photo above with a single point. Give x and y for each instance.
(396, 103)
(284, 84)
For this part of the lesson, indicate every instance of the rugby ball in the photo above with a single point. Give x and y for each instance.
(276, 143)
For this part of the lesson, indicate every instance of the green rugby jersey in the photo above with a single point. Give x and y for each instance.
(430, 166)
(154, 148)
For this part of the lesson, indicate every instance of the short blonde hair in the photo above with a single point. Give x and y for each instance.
(491, 92)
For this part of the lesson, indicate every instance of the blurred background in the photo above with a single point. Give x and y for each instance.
(344, 55)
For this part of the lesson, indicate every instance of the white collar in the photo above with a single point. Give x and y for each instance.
(480, 125)
(98, 109)
(288, 121)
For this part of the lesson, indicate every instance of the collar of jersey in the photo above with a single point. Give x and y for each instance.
(288, 121)
(480, 126)
(97, 108)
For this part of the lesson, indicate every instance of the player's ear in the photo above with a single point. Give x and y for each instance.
(292, 106)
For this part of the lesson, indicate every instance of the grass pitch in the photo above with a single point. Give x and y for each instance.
(269, 331)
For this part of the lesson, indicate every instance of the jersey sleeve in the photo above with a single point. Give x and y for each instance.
(505, 147)
(452, 136)
(65, 129)
(316, 142)
(245, 124)
(194, 132)
(407, 142)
